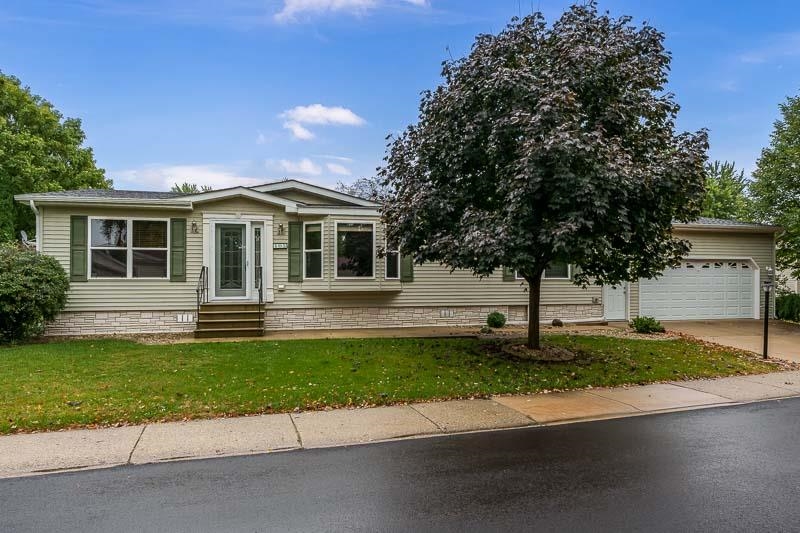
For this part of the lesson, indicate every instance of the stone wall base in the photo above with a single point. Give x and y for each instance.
(154, 322)
(72, 323)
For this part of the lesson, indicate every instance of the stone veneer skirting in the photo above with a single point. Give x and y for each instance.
(122, 322)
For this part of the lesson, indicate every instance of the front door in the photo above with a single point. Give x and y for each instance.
(231, 260)
(615, 302)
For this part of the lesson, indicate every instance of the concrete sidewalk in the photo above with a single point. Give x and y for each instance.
(38, 453)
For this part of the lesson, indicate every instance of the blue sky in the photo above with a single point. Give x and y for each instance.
(247, 91)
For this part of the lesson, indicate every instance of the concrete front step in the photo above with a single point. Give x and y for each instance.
(219, 315)
(216, 333)
(228, 307)
(229, 323)
(239, 319)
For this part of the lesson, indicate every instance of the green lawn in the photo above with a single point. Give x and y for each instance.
(104, 382)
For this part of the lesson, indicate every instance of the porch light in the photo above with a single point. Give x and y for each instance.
(194, 226)
(280, 229)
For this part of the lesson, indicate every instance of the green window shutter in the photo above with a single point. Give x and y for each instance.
(78, 248)
(509, 274)
(295, 251)
(177, 249)
(406, 268)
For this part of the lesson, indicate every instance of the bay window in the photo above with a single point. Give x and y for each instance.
(312, 251)
(392, 264)
(355, 250)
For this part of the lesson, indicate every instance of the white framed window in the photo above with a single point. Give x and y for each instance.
(555, 270)
(354, 250)
(312, 250)
(392, 263)
(558, 270)
(128, 248)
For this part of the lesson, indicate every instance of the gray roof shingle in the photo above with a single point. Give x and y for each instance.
(111, 193)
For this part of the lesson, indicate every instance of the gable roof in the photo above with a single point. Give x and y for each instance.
(324, 192)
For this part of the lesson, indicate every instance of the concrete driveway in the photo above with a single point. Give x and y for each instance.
(784, 338)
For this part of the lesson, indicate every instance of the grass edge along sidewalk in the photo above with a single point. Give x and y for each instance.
(95, 383)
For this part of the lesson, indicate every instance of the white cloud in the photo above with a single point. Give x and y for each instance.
(261, 139)
(293, 9)
(304, 166)
(298, 131)
(162, 177)
(336, 158)
(339, 170)
(775, 47)
(319, 114)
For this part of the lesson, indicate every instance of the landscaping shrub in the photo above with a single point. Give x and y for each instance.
(787, 307)
(33, 290)
(646, 324)
(496, 319)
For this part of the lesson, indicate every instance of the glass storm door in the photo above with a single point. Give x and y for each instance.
(231, 263)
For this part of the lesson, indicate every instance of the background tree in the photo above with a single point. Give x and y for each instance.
(371, 188)
(190, 188)
(549, 143)
(726, 193)
(776, 184)
(39, 151)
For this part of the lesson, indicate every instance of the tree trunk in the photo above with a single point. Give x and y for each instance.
(534, 292)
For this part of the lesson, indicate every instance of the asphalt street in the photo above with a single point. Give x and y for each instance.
(722, 469)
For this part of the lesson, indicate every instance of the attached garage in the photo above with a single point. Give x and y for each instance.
(700, 289)
(719, 279)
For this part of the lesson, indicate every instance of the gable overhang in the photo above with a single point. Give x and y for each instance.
(243, 192)
(314, 189)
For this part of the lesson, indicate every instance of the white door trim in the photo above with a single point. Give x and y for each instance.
(210, 220)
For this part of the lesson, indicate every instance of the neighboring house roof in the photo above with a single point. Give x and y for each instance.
(727, 225)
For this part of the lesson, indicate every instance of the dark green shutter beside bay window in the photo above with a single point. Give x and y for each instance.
(295, 251)
(78, 248)
(406, 268)
(177, 250)
(509, 274)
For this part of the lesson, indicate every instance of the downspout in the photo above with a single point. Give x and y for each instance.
(38, 226)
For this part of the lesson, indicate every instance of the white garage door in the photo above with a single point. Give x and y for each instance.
(700, 289)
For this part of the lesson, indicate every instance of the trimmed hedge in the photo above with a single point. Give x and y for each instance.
(646, 324)
(496, 319)
(33, 290)
(787, 307)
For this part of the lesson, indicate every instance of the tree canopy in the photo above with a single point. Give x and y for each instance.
(190, 188)
(726, 193)
(370, 188)
(40, 151)
(549, 143)
(776, 184)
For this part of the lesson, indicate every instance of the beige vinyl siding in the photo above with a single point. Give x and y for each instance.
(433, 285)
(123, 294)
(724, 245)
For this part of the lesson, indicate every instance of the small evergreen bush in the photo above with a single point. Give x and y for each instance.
(646, 324)
(496, 319)
(33, 290)
(787, 307)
